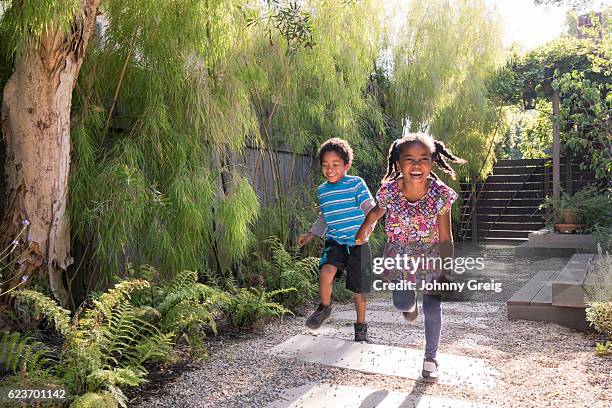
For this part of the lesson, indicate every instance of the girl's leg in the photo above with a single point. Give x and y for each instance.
(433, 324)
(404, 300)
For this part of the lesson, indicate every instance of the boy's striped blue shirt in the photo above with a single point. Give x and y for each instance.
(340, 205)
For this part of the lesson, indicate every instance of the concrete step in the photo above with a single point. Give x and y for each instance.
(387, 360)
(315, 395)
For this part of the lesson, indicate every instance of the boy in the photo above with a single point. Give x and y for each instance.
(344, 201)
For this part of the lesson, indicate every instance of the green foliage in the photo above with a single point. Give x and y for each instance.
(47, 307)
(106, 346)
(593, 207)
(95, 400)
(27, 23)
(598, 295)
(188, 307)
(248, 307)
(282, 271)
(603, 349)
(586, 111)
(442, 64)
(590, 204)
(18, 352)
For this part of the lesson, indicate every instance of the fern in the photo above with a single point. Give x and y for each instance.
(48, 308)
(18, 353)
(283, 271)
(189, 307)
(249, 306)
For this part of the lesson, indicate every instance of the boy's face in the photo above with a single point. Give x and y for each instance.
(415, 163)
(333, 167)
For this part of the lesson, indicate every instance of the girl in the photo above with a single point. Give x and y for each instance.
(418, 224)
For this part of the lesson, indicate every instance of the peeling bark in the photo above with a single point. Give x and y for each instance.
(36, 128)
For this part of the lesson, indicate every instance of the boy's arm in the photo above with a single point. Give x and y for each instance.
(368, 224)
(318, 228)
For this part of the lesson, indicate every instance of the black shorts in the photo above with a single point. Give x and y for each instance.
(356, 260)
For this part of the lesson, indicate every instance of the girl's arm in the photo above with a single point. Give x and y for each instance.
(445, 231)
(368, 224)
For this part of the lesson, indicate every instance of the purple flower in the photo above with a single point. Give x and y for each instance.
(24, 278)
(15, 242)
(25, 222)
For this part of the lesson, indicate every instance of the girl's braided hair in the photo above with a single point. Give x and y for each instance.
(438, 153)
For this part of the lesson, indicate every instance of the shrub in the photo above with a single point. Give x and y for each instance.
(598, 297)
(283, 271)
(107, 344)
(248, 307)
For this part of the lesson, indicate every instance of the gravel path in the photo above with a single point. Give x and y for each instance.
(541, 364)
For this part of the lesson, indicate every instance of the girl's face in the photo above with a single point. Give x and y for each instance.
(415, 162)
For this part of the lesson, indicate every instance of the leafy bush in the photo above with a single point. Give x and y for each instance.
(598, 297)
(248, 307)
(107, 344)
(594, 207)
(283, 271)
(183, 306)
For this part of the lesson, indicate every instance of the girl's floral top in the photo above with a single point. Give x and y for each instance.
(412, 228)
(418, 221)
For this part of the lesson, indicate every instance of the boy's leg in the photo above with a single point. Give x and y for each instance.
(359, 281)
(360, 306)
(331, 261)
(326, 281)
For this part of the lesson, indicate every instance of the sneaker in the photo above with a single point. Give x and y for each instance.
(318, 316)
(412, 314)
(361, 332)
(430, 370)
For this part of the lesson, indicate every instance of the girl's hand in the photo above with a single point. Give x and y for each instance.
(305, 238)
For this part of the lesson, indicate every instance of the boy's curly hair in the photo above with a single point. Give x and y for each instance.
(339, 146)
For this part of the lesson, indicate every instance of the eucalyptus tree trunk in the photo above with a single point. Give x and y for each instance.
(36, 129)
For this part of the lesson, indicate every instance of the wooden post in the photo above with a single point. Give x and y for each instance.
(473, 210)
(556, 147)
(568, 172)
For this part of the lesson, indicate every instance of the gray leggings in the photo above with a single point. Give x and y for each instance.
(405, 299)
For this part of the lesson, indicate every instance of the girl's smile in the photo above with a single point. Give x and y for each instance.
(415, 163)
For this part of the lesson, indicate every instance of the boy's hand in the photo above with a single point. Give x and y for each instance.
(362, 236)
(305, 238)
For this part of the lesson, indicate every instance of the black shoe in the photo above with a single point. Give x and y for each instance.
(318, 316)
(412, 314)
(430, 370)
(361, 332)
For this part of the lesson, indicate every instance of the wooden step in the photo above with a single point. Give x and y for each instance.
(534, 302)
(505, 234)
(532, 211)
(511, 218)
(510, 186)
(515, 178)
(519, 162)
(502, 202)
(508, 226)
(536, 194)
(568, 289)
